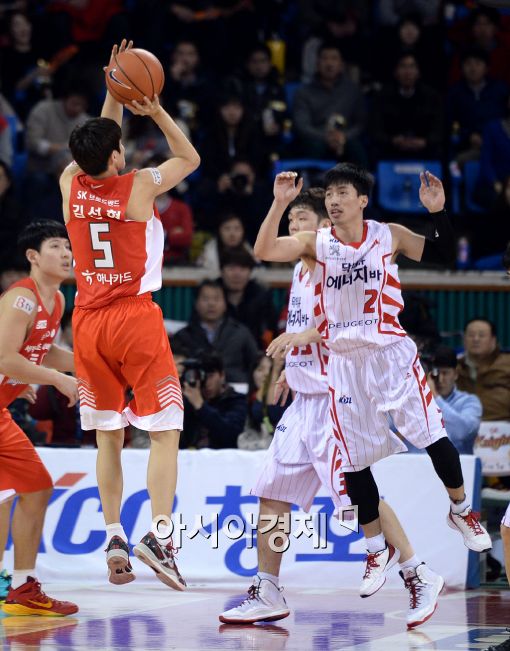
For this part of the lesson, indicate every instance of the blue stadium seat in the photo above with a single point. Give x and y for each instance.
(290, 90)
(398, 183)
(302, 164)
(471, 172)
(12, 122)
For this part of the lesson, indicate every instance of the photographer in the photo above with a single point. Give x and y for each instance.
(462, 412)
(214, 414)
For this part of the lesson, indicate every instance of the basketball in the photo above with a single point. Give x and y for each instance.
(133, 74)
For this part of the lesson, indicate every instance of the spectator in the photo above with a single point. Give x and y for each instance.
(48, 128)
(230, 236)
(12, 218)
(64, 422)
(407, 115)
(494, 158)
(329, 112)
(12, 269)
(389, 12)
(484, 370)
(472, 103)
(262, 409)
(188, 91)
(211, 330)
(214, 414)
(248, 301)
(462, 411)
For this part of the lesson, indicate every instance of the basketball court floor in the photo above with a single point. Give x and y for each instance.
(146, 616)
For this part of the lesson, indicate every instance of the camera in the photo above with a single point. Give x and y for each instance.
(193, 373)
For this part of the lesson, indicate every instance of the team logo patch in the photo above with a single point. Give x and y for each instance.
(24, 304)
(112, 76)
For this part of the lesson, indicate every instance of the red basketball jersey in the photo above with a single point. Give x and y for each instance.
(114, 256)
(38, 342)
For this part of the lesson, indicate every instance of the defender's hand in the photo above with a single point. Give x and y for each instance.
(431, 192)
(125, 45)
(285, 189)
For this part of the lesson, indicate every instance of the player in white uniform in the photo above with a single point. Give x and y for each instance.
(303, 454)
(374, 372)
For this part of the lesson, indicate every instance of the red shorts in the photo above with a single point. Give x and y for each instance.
(21, 469)
(120, 346)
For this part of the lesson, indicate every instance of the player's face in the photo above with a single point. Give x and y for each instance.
(446, 380)
(231, 232)
(210, 304)
(55, 258)
(302, 219)
(478, 339)
(236, 277)
(344, 204)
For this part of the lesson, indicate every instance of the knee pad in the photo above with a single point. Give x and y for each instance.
(363, 493)
(446, 461)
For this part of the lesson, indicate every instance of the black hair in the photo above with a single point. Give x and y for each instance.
(227, 216)
(211, 362)
(329, 45)
(474, 53)
(489, 12)
(312, 199)
(35, 233)
(93, 143)
(238, 256)
(405, 55)
(215, 284)
(483, 319)
(259, 47)
(179, 348)
(350, 174)
(444, 356)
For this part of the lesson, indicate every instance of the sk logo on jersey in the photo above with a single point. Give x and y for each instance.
(334, 250)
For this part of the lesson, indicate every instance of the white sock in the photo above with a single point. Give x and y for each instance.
(413, 562)
(161, 528)
(19, 577)
(115, 529)
(270, 577)
(1, 565)
(459, 508)
(376, 543)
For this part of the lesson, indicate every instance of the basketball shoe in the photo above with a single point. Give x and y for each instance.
(475, 536)
(5, 584)
(424, 587)
(377, 565)
(161, 559)
(265, 603)
(117, 559)
(504, 646)
(29, 599)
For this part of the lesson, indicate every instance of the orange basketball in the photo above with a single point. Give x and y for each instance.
(133, 74)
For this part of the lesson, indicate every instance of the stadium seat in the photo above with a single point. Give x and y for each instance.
(290, 89)
(300, 164)
(398, 183)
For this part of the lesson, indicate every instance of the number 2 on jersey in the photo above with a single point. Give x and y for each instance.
(106, 262)
(371, 295)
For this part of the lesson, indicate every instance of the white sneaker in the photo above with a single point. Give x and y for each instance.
(265, 603)
(468, 523)
(378, 564)
(424, 587)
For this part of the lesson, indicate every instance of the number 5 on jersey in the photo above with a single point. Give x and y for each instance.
(103, 245)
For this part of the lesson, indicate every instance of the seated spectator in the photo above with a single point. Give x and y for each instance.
(51, 405)
(249, 301)
(407, 115)
(188, 91)
(214, 414)
(12, 269)
(211, 330)
(389, 12)
(329, 112)
(472, 103)
(494, 158)
(12, 217)
(230, 236)
(48, 128)
(462, 411)
(484, 370)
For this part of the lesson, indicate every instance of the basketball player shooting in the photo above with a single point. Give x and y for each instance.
(119, 336)
(372, 361)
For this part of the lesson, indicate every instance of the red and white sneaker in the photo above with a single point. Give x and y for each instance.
(264, 603)
(424, 587)
(29, 599)
(378, 564)
(468, 523)
(161, 559)
(117, 560)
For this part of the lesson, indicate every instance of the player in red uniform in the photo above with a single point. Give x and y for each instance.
(119, 337)
(30, 313)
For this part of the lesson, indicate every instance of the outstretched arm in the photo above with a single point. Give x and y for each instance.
(111, 108)
(284, 343)
(268, 245)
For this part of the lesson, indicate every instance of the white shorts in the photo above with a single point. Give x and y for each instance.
(302, 456)
(506, 518)
(372, 388)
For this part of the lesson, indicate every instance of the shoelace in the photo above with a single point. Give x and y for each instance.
(472, 521)
(414, 585)
(372, 563)
(44, 596)
(253, 593)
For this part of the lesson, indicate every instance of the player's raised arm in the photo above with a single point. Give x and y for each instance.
(268, 245)
(111, 108)
(185, 157)
(440, 249)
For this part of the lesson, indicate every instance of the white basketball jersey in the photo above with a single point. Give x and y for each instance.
(357, 290)
(305, 367)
